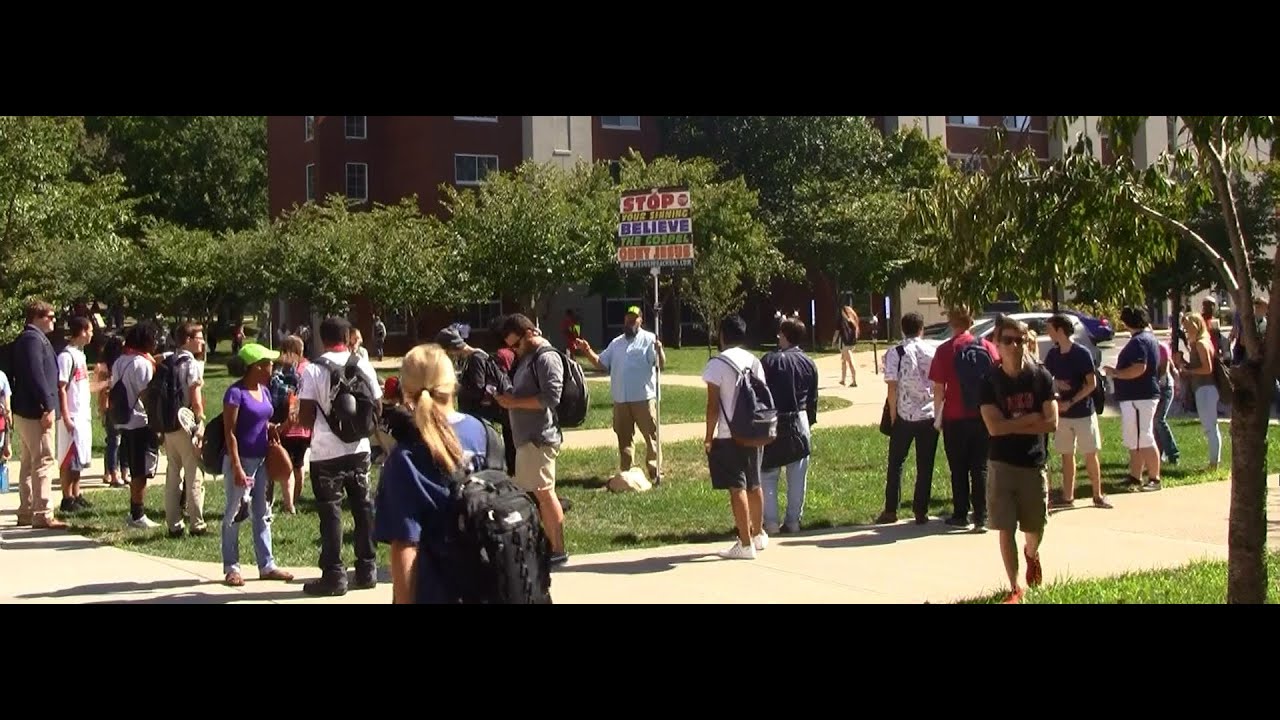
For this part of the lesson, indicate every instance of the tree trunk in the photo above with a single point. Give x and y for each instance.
(1247, 526)
(1175, 328)
(415, 332)
(679, 313)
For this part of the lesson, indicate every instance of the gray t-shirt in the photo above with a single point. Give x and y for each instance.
(135, 372)
(537, 426)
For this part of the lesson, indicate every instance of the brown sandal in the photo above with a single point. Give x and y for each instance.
(234, 579)
(277, 574)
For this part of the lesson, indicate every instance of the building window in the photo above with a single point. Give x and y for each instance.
(970, 120)
(479, 315)
(472, 169)
(477, 118)
(620, 122)
(308, 128)
(1017, 123)
(357, 127)
(358, 181)
(311, 182)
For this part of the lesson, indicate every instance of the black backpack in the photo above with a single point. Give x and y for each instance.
(755, 417)
(575, 399)
(353, 412)
(973, 366)
(120, 411)
(495, 548)
(165, 395)
(214, 448)
(482, 371)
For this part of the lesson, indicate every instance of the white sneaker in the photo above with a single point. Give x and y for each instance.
(143, 523)
(761, 541)
(739, 552)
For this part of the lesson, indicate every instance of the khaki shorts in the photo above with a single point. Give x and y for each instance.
(536, 467)
(1017, 497)
(1078, 435)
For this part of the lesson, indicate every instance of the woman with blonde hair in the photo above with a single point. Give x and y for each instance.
(433, 442)
(1200, 376)
(847, 337)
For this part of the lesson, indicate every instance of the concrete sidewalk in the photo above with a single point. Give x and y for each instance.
(902, 563)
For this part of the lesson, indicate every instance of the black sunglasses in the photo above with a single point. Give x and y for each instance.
(1019, 341)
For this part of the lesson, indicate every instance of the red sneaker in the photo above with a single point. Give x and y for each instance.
(1035, 574)
(1013, 598)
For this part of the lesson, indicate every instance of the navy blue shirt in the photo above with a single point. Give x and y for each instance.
(1141, 348)
(413, 503)
(1070, 370)
(793, 381)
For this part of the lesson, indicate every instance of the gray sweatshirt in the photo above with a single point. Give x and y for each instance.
(541, 376)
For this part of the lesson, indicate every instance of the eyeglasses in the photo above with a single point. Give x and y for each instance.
(1019, 341)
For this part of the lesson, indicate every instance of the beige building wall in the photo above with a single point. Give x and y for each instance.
(559, 139)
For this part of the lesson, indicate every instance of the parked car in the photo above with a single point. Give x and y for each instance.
(1037, 323)
(1099, 328)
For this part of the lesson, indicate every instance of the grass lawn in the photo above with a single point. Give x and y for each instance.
(846, 487)
(1200, 583)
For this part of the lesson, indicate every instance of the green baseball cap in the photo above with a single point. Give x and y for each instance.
(253, 353)
(633, 310)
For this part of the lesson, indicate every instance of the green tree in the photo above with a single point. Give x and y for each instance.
(196, 171)
(530, 231)
(831, 188)
(733, 248)
(53, 223)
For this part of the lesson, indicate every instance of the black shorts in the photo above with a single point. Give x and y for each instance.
(734, 467)
(297, 448)
(140, 452)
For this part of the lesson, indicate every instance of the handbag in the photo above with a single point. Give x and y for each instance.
(791, 445)
(886, 423)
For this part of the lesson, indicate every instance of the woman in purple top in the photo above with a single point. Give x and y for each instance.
(246, 415)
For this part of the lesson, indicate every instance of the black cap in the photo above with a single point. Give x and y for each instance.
(449, 339)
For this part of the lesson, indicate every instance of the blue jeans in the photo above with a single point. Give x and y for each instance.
(113, 447)
(256, 469)
(1207, 409)
(797, 481)
(1164, 436)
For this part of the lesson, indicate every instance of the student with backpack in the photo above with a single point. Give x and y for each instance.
(295, 438)
(339, 404)
(960, 368)
(460, 530)
(130, 375)
(741, 420)
(117, 472)
(178, 384)
(480, 379)
(544, 379)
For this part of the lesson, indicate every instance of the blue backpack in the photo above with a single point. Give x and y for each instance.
(973, 364)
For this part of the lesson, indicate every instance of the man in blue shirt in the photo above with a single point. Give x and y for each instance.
(630, 361)
(1138, 392)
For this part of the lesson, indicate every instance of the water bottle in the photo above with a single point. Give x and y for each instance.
(4, 476)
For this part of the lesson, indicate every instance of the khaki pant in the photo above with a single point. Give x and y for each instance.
(35, 478)
(626, 418)
(182, 468)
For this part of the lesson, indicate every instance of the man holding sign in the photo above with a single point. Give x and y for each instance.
(630, 360)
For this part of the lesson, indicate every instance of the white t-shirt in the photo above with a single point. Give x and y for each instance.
(73, 370)
(719, 373)
(314, 386)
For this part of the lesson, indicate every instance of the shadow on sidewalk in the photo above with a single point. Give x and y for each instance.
(641, 566)
(116, 588)
(201, 598)
(59, 540)
(870, 535)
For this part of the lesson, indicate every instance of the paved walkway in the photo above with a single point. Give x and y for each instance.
(902, 563)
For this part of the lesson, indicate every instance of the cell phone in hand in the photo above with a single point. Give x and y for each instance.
(491, 391)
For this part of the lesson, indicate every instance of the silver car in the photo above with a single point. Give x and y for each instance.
(1038, 323)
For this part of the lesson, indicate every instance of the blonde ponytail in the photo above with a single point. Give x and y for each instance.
(428, 380)
(437, 433)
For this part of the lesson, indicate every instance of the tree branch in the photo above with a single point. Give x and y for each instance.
(1243, 296)
(1198, 242)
